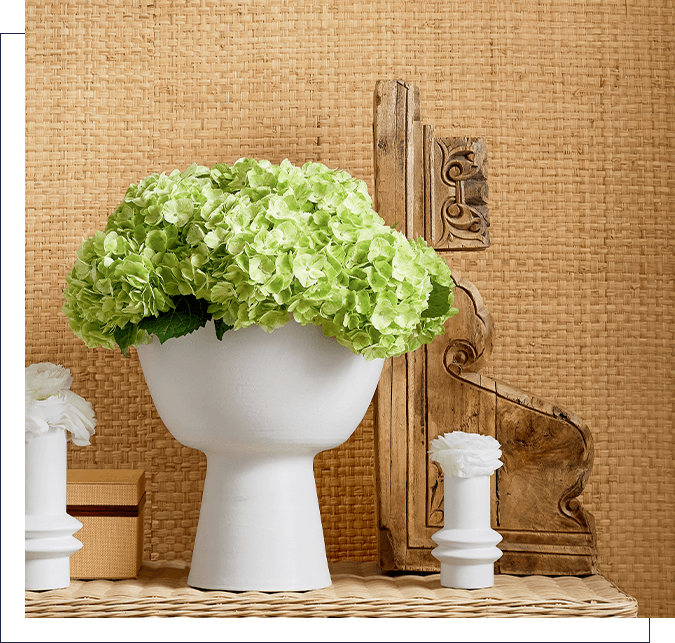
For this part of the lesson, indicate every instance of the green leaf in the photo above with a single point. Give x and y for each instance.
(125, 337)
(439, 301)
(188, 315)
(222, 328)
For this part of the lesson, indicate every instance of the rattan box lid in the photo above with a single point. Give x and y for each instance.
(105, 486)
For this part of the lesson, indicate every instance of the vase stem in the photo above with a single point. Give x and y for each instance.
(259, 525)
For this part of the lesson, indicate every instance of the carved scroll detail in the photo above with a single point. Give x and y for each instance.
(459, 354)
(471, 349)
(462, 219)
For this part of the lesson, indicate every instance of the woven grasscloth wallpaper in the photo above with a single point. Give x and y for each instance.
(576, 99)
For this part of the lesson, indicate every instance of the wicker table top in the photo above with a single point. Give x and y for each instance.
(358, 590)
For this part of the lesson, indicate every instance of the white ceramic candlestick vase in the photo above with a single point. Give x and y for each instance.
(467, 545)
(260, 406)
(49, 529)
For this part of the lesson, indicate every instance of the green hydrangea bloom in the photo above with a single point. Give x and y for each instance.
(258, 243)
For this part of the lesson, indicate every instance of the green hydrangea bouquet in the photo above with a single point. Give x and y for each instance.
(254, 243)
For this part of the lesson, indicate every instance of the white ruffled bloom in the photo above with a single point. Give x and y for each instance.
(41, 414)
(50, 404)
(44, 380)
(465, 455)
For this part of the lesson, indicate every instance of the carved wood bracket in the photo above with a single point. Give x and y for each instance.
(437, 188)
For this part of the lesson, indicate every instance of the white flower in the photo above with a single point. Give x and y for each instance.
(465, 455)
(41, 414)
(45, 379)
(78, 417)
(50, 404)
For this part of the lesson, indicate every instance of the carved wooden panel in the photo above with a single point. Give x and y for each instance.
(445, 192)
(459, 214)
(547, 452)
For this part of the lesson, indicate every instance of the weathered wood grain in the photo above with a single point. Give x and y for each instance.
(547, 452)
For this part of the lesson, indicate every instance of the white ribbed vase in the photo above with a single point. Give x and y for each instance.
(260, 406)
(49, 529)
(467, 545)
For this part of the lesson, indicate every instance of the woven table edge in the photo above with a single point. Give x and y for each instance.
(178, 599)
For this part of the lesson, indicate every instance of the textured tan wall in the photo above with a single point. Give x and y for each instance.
(576, 100)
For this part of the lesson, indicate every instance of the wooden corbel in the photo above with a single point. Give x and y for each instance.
(437, 188)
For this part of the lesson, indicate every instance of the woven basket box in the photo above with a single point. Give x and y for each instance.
(110, 505)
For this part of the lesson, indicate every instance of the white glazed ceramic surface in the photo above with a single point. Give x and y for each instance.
(49, 529)
(260, 406)
(290, 389)
(467, 545)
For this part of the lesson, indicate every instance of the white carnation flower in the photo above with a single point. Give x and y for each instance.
(465, 455)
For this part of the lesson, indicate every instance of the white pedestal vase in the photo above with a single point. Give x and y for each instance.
(467, 545)
(260, 406)
(49, 529)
